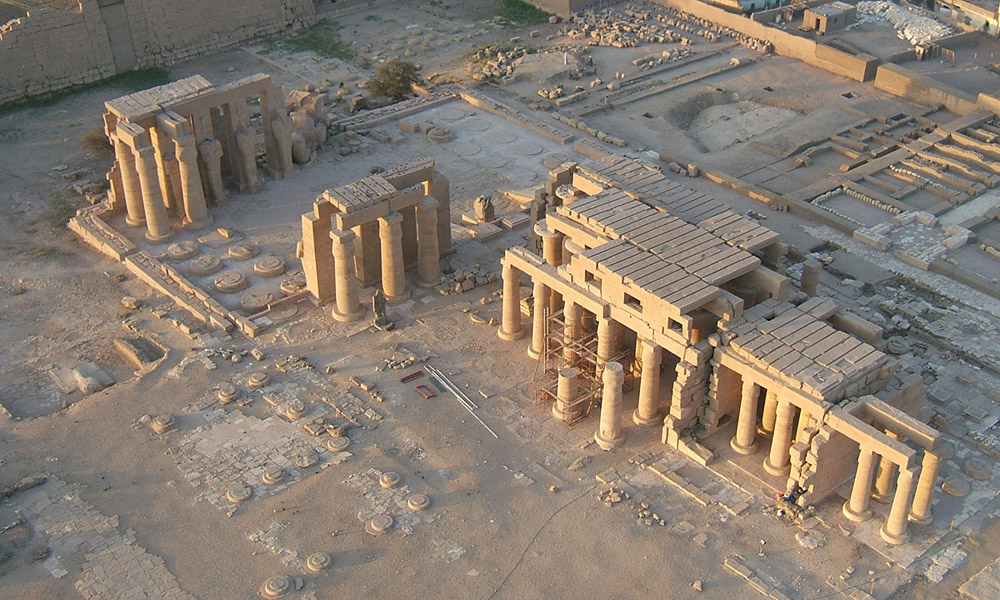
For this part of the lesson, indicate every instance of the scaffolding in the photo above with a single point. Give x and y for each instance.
(562, 351)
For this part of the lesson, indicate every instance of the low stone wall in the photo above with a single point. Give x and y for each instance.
(900, 81)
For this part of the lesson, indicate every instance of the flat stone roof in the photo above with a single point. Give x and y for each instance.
(139, 104)
(649, 185)
(796, 344)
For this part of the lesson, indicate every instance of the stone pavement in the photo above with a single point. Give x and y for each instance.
(113, 564)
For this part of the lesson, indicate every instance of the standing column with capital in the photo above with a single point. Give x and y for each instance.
(195, 209)
(157, 223)
(552, 252)
(857, 507)
(510, 324)
(920, 512)
(390, 232)
(894, 529)
(428, 254)
(348, 306)
(540, 297)
(609, 434)
(131, 185)
(647, 414)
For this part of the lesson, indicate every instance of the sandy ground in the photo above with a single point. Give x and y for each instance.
(508, 519)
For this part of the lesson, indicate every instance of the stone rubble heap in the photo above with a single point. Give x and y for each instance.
(912, 24)
(637, 25)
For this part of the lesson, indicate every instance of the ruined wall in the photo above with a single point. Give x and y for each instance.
(193, 27)
(918, 88)
(563, 8)
(860, 67)
(49, 50)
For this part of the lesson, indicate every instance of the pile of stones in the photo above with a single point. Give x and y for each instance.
(463, 281)
(912, 24)
(498, 61)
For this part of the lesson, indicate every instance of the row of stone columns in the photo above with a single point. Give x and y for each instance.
(145, 204)
(778, 420)
(911, 501)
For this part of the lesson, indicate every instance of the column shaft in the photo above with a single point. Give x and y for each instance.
(856, 508)
(552, 252)
(605, 342)
(567, 391)
(390, 231)
(541, 303)
(886, 474)
(770, 412)
(920, 512)
(743, 442)
(609, 434)
(894, 529)
(428, 253)
(510, 325)
(571, 331)
(132, 187)
(157, 223)
(348, 306)
(778, 461)
(647, 413)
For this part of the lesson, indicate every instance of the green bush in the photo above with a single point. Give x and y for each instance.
(323, 38)
(523, 13)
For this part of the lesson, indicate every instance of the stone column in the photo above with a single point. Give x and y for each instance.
(647, 414)
(810, 276)
(743, 442)
(894, 529)
(571, 331)
(390, 233)
(637, 357)
(348, 306)
(157, 223)
(428, 255)
(886, 474)
(770, 412)
(541, 304)
(606, 327)
(609, 434)
(552, 252)
(510, 326)
(195, 209)
(135, 215)
(920, 512)
(567, 390)
(778, 461)
(856, 508)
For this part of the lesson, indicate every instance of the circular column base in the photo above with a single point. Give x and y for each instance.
(512, 336)
(924, 520)
(159, 239)
(135, 222)
(561, 414)
(351, 316)
(641, 421)
(882, 498)
(397, 298)
(199, 224)
(895, 540)
(745, 450)
(422, 283)
(609, 443)
(764, 432)
(532, 353)
(773, 470)
(853, 516)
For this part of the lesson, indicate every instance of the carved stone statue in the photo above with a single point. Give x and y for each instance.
(210, 150)
(378, 308)
(281, 127)
(246, 147)
(484, 208)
